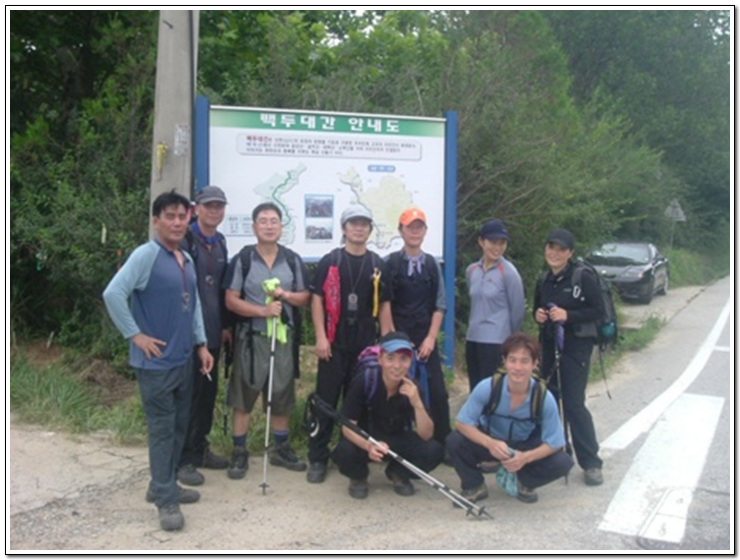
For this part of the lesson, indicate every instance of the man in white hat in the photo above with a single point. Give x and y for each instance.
(350, 302)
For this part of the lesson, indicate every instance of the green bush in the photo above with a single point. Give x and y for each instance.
(695, 269)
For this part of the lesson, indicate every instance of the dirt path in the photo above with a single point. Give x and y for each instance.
(84, 493)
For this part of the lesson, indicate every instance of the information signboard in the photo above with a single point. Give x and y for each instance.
(314, 164)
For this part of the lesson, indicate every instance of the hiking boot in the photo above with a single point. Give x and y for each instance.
(447, 459)
(475, 494)
(170, 517)
(213, 461)
(284, 456)
(239, 463)
(401, 485)
(316, 472)
(525, 494)
(189, 476)
(489, 466)
(358, 488)
(593, 476)
(184, 495)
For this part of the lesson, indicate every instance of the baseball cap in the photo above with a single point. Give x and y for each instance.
(562, 237)
(210, 194)
(395, 341)
(356, 211)
(494, 229)
(411, 215)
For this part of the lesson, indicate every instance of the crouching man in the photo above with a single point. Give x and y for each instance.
(388, 405)
(510, 422)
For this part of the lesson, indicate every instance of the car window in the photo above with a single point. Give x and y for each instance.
(620, 254)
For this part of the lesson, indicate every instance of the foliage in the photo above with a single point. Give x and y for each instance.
(668, 72)
(590, 120)
(48, 396)
(79, 167)
(692, 269)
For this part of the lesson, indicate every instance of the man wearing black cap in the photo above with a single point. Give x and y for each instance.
(562, 309)
(496, 302)
(388, 407)
(207, 246)
(350, 300)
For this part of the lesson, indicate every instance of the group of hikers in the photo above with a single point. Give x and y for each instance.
(180, 301)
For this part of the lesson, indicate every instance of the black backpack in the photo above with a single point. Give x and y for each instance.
(536, 397)
(191, 246)
(604, 329)
(245, 259)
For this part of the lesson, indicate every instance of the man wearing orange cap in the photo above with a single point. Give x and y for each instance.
(418, 308)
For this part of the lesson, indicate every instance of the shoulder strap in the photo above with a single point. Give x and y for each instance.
(290, 258)
(537, 399)
(190, 245)
(245, 258)
(497, 383)
(577, 273)
(371, 383)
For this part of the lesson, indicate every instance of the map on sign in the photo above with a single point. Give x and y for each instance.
(313, 166)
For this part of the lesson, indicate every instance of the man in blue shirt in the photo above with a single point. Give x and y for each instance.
(507, 435)
(153, 301)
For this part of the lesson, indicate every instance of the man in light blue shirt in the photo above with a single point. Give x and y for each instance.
(519, 431)
(153, 301)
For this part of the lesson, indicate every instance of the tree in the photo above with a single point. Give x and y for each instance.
(668, 72)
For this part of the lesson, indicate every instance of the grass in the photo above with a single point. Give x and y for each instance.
(696, 269)
(629, 341)
(57, 396)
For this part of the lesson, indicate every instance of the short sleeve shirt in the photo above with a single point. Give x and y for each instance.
(511, 425)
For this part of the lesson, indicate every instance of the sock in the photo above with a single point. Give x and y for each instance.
(281, 436)
(240, 441)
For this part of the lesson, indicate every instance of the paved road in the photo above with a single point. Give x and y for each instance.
(70, 493)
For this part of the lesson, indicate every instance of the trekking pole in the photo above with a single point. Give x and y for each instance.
(603, 372)
(559, 345)
(228, 360)
(316, 402)
(264, 484)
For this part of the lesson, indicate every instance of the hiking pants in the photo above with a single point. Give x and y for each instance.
(482, 360)
(332, 381)
(201, 412)
(574, 366)
(439, 404)
(166, 396)
(426, 455)
(467, 455)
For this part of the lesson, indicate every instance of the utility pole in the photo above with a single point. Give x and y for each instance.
(172, 146)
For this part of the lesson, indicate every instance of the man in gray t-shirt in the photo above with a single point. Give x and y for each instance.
(260, 309)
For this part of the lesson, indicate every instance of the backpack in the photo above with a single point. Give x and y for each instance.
(368, 365)
(396, 268)
(245, 259)
(192, 246)
(604, 329)
(536, 397)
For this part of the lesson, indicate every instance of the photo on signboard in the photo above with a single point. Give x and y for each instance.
(319, 206)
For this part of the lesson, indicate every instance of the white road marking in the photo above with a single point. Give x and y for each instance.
(654, 497)
(641, 422)
(723, 349)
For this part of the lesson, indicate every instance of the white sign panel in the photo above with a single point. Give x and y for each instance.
(313, 165)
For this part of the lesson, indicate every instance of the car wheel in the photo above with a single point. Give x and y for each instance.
(664, 288)
(648, 297)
